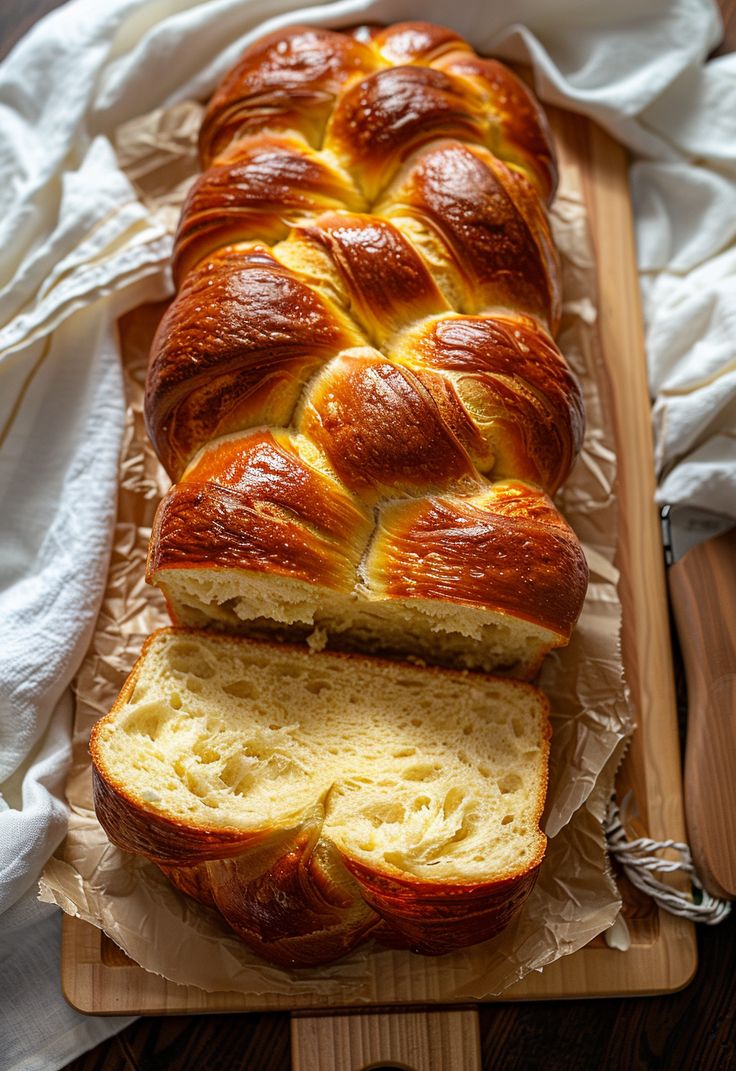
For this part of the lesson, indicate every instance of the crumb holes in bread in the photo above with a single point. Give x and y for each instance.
(507, 819)
(240, 689)
(148, 720)
(194, 783)
(462, 833)
(187, 659)
(175, 701)
(236, 774)
(421, 772)
(453, 799)
(518, 726)
(205, 752)
(317, 686)
(509, 783)
(387, 813)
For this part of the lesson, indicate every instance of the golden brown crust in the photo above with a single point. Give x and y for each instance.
(490, 220)
(506, 550)
(522, 137)
(410, 346)
(253, 503)
(521, 394)
(435, 918)
(234, 351)
(285, 81)
(255, 194)
(381, 430)
(414, 42)
(388, 284)
(381, 120)
(291, 900)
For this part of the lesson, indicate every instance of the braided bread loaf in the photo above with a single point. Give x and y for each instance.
(357, 391)
(356, 386)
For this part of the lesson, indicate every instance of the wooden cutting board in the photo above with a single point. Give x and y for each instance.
(99, 979)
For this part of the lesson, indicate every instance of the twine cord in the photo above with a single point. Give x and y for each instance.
(640, 865)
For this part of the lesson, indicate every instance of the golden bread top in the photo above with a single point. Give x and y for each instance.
(368, 293)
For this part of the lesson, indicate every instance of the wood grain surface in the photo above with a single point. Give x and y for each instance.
(703, 592)
(693, 1029)
(420, 1041)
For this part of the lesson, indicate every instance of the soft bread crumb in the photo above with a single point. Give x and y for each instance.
(436, 632)
(435, 775)
(317, 639)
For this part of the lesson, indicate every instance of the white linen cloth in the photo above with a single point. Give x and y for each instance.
(78, 249)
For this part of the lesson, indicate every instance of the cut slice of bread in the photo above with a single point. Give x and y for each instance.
(317, 799)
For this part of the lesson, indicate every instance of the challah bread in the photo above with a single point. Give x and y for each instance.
(356, 386)
(271, 545)
(316, 801)
(357, 392)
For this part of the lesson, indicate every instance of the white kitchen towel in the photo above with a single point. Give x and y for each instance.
(41, 1032)
(78, 249)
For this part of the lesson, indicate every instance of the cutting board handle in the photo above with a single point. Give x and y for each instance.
(703, 590)
(444, 1040)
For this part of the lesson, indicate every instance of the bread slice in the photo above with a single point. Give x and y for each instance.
(318, 799)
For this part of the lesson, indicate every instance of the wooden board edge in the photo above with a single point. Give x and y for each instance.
(643, 586)
(643, 579)
(93, 988)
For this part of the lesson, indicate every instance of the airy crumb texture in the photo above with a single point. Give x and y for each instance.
(442, 633)
(424, 774)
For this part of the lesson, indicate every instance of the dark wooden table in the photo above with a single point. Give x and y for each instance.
(694, 1030)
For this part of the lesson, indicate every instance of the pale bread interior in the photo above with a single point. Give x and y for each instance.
(436, 775)
(438, 632)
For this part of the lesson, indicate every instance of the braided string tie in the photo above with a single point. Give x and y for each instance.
(641, 866)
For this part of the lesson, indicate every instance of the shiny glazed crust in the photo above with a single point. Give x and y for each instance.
(290, 893)
(368, 293)
(357, 388)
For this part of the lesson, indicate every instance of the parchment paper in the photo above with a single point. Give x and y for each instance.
(575, 897)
